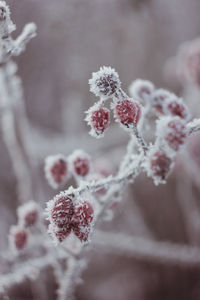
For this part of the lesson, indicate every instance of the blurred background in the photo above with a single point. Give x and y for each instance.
(75, 38)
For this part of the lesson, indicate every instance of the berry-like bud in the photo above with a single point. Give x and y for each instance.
(171, 131)
(60, 234)
(56, 170)
(176, 107)
(159, 165)
(98, 118)
(28, 214)
(66, 217)
(159, 99)
(18, 237)
(105, 82)
(177, 134)
(141, 89)
(83, 213)
(80, 163)
(62, 210)
(127, 112)
(82, 232)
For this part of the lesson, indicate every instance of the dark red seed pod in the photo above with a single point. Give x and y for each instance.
(82, 232)
(56, 170)
(127, 112)
(176, 134)
(176, 108)
(28, 214)
(98, 119)
(160, 165)
(83, 213)
(62, 233)
(62, 211)
(80, 163)
(18, 237)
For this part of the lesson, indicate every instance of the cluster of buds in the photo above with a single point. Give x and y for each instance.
(106, 84)
(28, 216)
(59, 168)
(162, 101)
(171, 135)
(69, 215)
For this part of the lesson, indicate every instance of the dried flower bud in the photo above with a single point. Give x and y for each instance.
(127, 112)
(56, 170)
(98, 118)
(141, 89)
(83, 213)
(61, 210)
(18, 237)
(105, 82)
(82, 232)
(66, 217)
(171, 131)
(28, 214)
(176, 107)
(80, 163)
(159, 165)
(60, 234)
(159, 99)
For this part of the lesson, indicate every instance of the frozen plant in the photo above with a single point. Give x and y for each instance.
(74, 213)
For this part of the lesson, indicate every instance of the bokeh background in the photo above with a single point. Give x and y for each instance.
(75, 38)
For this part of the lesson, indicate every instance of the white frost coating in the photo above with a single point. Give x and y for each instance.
(50, 162)
(193, 127)
(27, 34)
(25, 209)
(6, 24)
(105, 82)
(93, 132)
(141, 89)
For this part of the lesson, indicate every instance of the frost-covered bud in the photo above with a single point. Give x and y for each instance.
(127, 112)
(56, 170)
(176, 107)
(6, 24)
(60, 234)
(61, 210)
(28, 214)
(159, 99)
(105, 82)
(83, 213)
(80, 163)
(18, 237)
(141, 89)
(171, 131)
(82, 232)
(98, 118)
(159, 165)
(82, 219)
